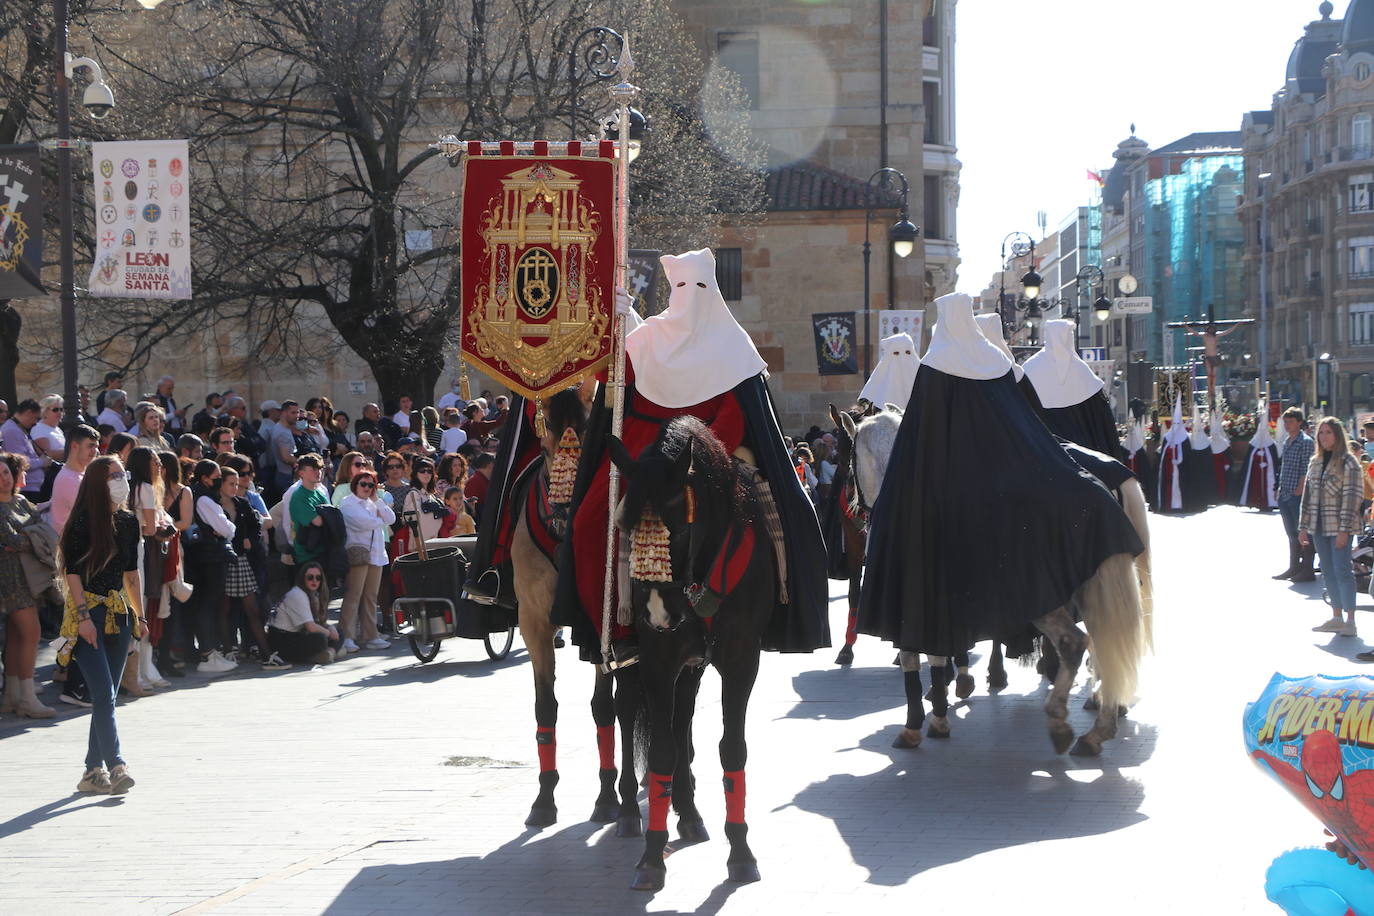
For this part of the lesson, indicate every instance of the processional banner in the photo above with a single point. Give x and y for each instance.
(538, 268)
(142, 220)
(21, 222)
(835, 335)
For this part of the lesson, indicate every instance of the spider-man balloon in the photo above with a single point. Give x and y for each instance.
(1315, 735)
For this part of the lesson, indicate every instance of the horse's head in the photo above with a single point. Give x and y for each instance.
(566, 410)
(681, 495)
(873, 439)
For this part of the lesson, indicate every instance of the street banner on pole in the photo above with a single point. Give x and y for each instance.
(142, 220)
(538, 271)
(21, 223)
(902, 321)
(835, 335)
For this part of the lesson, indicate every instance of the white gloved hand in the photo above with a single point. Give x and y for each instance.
(625, 308)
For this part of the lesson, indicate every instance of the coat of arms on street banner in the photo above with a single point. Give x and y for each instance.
(142, 219)
(835, 334)
(911, 322)
(538, 270)
(21, 222)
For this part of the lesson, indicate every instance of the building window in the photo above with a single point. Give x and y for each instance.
(1361, 134)
(930, 35)
(1362, 72)
(1362, 257)
(739, 52)
(931, 209)
(730, 273)
(1361, 193)
(1362, 324)
(930, 98)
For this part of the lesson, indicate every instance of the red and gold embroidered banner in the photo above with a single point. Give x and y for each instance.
(538, 265)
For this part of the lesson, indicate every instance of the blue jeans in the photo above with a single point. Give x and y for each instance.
(103, 667)
(1289, 507)
(1337, 571)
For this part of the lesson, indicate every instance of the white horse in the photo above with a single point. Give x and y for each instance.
(1116, 604)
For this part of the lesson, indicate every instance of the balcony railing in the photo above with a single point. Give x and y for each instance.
(1314, 285)
(1354, 153)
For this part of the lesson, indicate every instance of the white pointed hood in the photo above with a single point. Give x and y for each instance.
(1135, 437)
(1198, 437)
(695, 349)
(1220, 441)
(1264, 436)
(1177, 433)
(895, 373)
(1060, 376)
(990, 323)
(958, 348)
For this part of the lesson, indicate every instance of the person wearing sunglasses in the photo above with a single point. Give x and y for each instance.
(351, 463)
(425, 481)
(368, 520)
(46, 434)
(298, 631)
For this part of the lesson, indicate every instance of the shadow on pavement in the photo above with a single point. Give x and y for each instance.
(582, 870)
(54, 809)
(851, 692)
(983, 790)
(427, 673)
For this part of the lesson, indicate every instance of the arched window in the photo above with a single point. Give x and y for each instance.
(1362, 71)
(1361, 134)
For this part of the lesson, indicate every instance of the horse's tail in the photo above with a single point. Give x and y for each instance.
(630, 689)
(1111, 607)
(1133, 501)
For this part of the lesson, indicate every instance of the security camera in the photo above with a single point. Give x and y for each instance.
(98, 100)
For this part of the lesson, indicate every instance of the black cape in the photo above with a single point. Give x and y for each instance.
(803, 624)
(1088, 423)
(984, 522)
(1199, 479)
(832, 523)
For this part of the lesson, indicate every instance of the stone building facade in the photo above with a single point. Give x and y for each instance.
(1308, 213)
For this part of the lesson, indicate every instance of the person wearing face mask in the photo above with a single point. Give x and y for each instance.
(104, 612)
(452, 397)
(208, 553)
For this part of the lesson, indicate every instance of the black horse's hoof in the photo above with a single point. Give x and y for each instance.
(938, 727)
(963, 686)
(846, 656)
(743, 872)
(542, 817)
(997, 680)
(649, 879)
(1092, 704)
(605, 812)
(692, 830)
(1081, 748)
(1061, 735)
(629, 826)
(907, 739)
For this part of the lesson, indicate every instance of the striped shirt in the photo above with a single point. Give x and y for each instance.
(1297, 452)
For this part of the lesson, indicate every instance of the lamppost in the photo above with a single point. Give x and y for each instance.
(902, 235)
(1263, 183)
(1090, 273)
(98, 100)
(603, 64)
(1029, 303)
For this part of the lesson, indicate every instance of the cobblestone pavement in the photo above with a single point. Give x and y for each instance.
(378, 785)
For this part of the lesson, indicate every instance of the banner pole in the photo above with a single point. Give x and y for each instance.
(623, 94)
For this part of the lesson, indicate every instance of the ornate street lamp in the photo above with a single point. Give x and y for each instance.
(601, 59)
(902, 236)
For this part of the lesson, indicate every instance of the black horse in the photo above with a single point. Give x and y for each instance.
(703, 583)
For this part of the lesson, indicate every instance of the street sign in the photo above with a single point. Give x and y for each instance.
(1138, 305)
(1093, 354)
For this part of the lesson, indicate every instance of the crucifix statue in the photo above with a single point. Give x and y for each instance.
(1211, 358)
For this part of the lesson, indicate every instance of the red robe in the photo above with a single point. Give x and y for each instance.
(642, 421)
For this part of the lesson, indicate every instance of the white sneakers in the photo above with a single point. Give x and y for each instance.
(1347, 629)
(349, 646)
(1336, 625)
(215, 663)
(378, 643)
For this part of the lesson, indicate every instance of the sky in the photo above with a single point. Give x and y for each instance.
(1046, 89)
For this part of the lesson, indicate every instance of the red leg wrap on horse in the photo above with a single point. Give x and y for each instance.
(660, 798)
(548, 749)
(851, 632)
(605, 743)
(734, 796)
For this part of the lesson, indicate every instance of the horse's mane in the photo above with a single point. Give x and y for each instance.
(563, 411)
(718, 488)
(873, 442)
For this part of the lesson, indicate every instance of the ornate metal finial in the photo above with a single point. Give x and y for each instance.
(1132, 128)
(1326, 9)
(627, 62)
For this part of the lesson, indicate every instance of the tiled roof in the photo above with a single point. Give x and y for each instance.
(805, 185)
(1202, 142)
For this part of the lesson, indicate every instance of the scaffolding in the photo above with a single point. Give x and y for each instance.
(1194, 245)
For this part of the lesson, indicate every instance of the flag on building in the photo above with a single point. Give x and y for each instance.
(142, 219)
(1094, 176)
(835, 336)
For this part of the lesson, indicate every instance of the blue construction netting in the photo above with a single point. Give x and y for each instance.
(1194, 243)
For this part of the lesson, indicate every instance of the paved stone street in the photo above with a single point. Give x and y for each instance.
(378, 785)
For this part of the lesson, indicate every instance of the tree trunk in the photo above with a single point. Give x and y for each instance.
(416, 375)
(11, 323)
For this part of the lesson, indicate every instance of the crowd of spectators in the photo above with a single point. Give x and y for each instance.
(244, 526)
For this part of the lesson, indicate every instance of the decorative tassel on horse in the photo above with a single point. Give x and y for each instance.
(563, 472)
(651, 557)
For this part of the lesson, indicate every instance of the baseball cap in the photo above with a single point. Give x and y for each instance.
(270, 405)
(408, 440)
